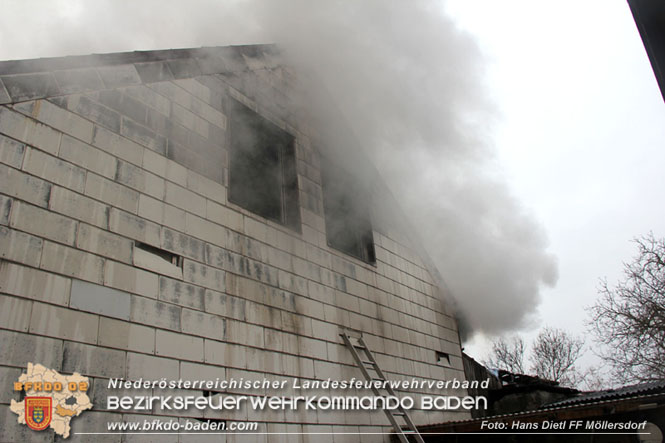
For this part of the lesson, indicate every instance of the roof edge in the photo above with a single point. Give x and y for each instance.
(27, 66)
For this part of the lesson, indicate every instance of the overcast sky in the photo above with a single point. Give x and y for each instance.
(582, 133)
(579, 125)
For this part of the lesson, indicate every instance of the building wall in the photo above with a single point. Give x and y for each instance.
(97, 158)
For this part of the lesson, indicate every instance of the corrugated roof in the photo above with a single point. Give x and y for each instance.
(626, 391)
(599, 397)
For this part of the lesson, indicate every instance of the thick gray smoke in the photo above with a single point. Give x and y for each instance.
(410, 86)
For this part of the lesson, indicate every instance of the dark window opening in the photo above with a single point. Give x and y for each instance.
(262, 167)
(348, 226)
(442, 358)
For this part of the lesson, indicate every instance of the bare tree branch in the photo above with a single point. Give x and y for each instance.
(554, 355)
(507, 355)
(629, 319)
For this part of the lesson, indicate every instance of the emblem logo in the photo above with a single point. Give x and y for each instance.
(38, 412)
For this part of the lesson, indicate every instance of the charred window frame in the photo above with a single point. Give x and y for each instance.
(345, 205)
(262, 167)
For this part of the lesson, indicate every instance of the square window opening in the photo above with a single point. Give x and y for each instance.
(262, 167)
(348, 226)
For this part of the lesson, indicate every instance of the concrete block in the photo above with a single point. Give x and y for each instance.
(93, 360)
(22, 87)
(184, 68)
(20, 247)
(141, 180)
(224, 216)
(79, 207)
(163, 167)
(15, 313)
(72, 81)
(43, 223)
(58, 118)
(152, 209)
(203, 325)
(123, 335)
(54, 170)
(126, 106)
(181, 293)
(88, 157)
(63, 323)
(118, 146)
(180, 346)
(309, 307)
(4, 96)
(71, 262)
(143, 136)
(195, 88)
(196, 371)
(205, 230)
(203, 275)
(225, 305)
(155, 313)
(151, 368)
(34, 284)
(190, 96)
(23, 186)
(112, 193)
(244, 333)
(45, 350)
(11, 152)
(190, 120)
(182, 244)
(225, 354)
(99, 300)
(7, 378)
(155, 263)
(12, 431)
(118, 75)
(146, 95)
(5, 207)
(134, 227)
(104, 243)
(184, 199)
(130, 279)
(96, 112)
(151, 72)
(29, 131)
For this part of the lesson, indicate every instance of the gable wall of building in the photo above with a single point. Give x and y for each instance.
(99, 159)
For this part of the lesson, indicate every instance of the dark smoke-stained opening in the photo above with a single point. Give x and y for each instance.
(345, 205)
(262, 167)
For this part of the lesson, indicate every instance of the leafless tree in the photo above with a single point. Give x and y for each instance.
(554, 354)
(507, 355)
(629, 318)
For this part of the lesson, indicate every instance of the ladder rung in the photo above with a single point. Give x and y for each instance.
(367, 362)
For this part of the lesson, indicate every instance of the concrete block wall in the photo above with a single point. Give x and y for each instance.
(99, 162)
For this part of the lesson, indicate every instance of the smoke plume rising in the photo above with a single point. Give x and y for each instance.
(409, 84)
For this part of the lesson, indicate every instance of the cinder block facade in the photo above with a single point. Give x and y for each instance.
(122, 253)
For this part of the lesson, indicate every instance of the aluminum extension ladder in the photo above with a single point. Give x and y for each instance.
(367, 363)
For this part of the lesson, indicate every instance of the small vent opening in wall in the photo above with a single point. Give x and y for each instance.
(442, 358)
(157, 260)
(170, 257)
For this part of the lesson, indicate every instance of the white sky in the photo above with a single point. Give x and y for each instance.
(582, 134)
(580, 137)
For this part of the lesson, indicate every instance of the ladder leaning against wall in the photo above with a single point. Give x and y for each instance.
(372, 372)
